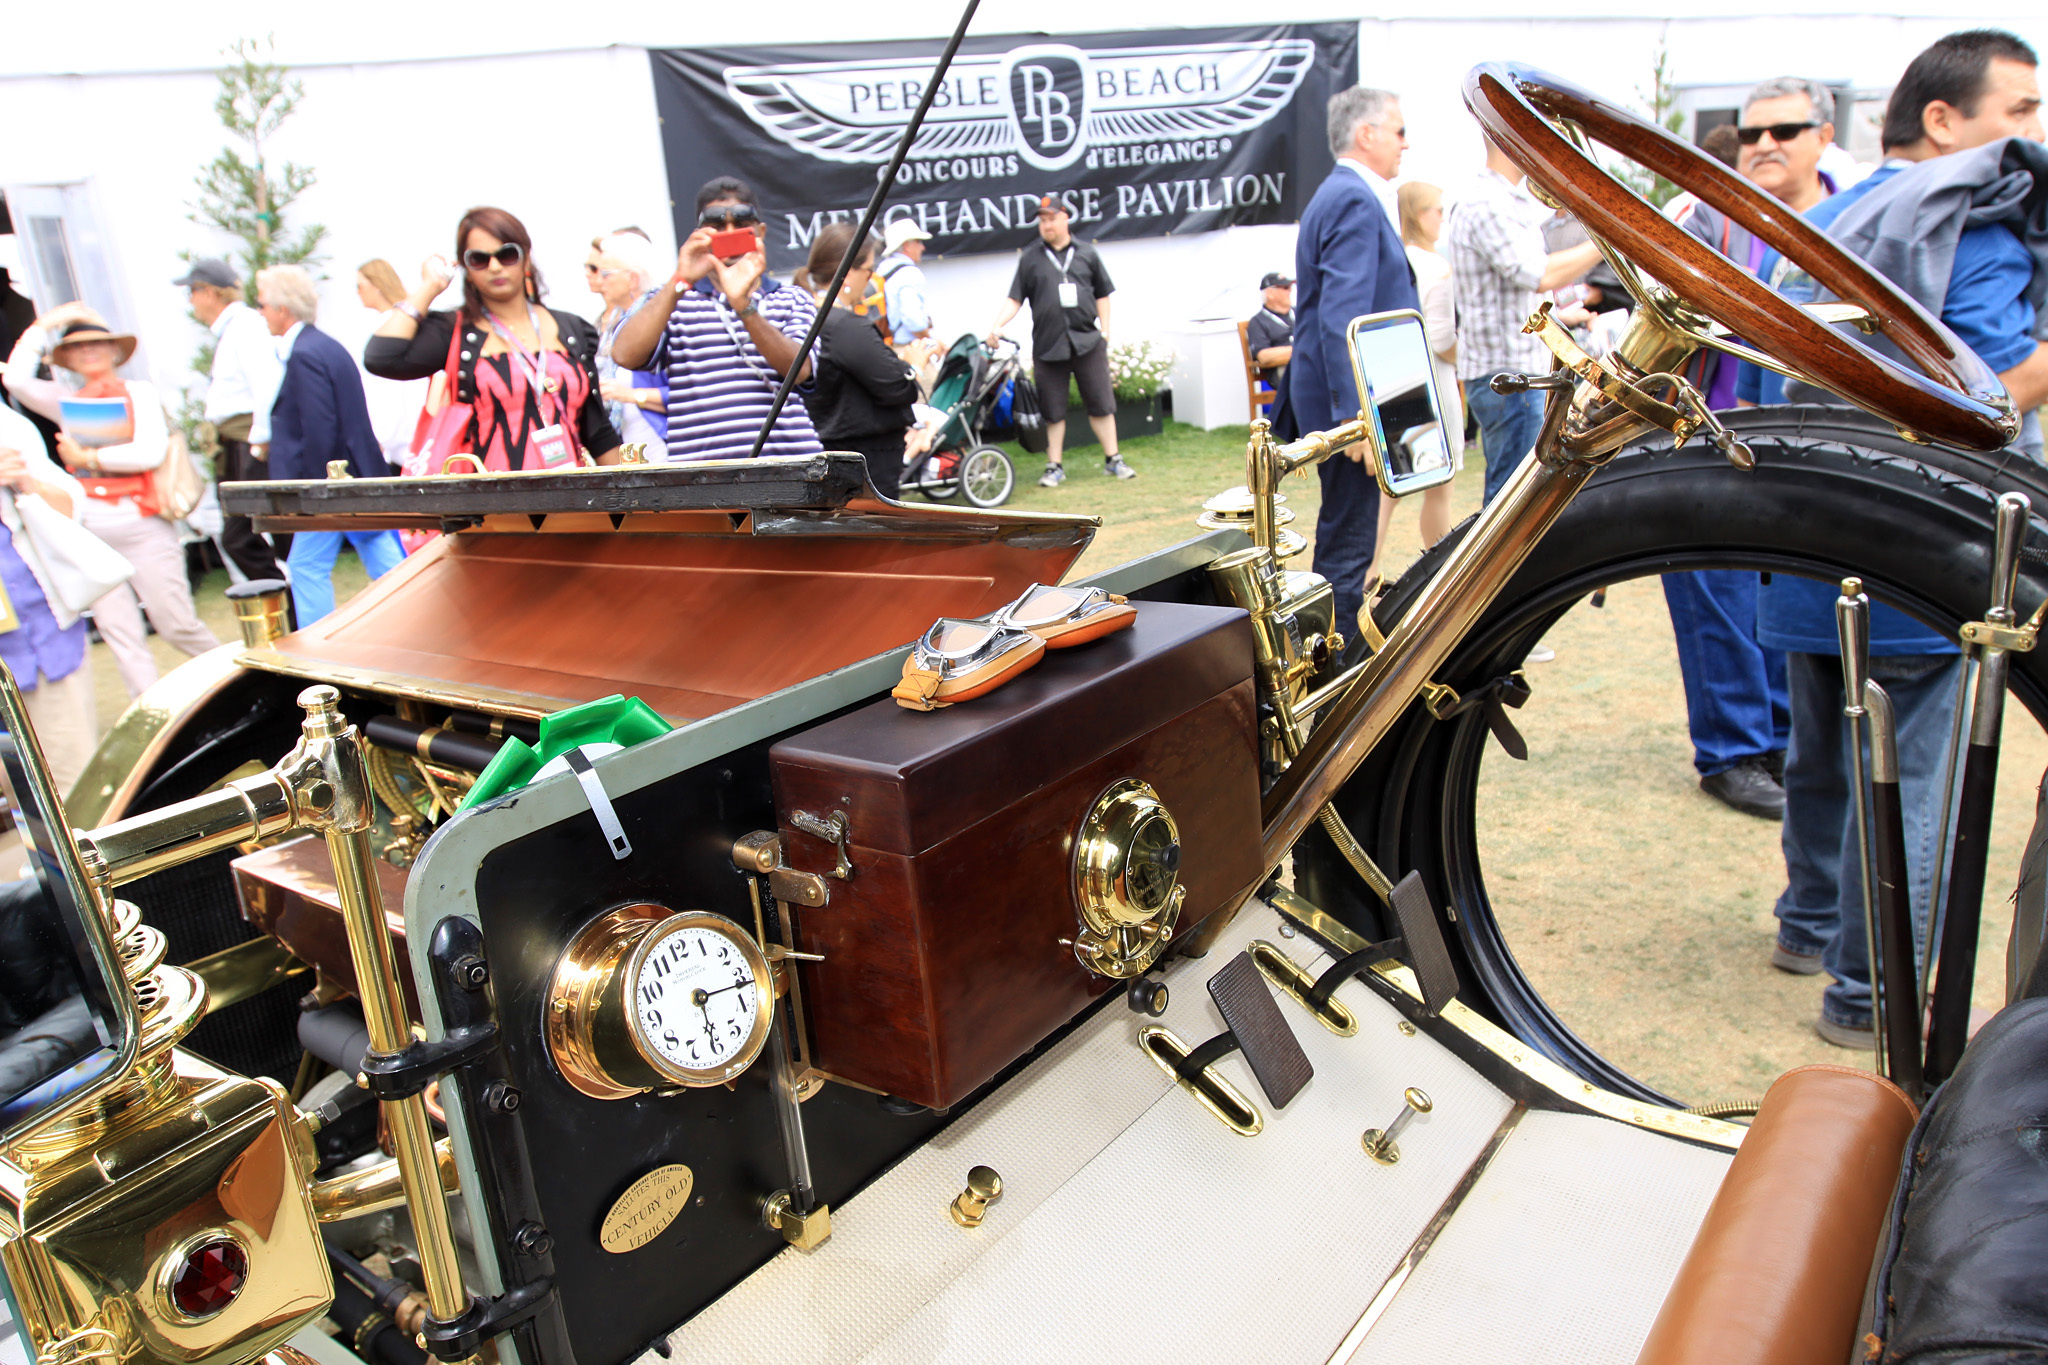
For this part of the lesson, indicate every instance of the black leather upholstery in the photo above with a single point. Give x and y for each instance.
(1963, 1277)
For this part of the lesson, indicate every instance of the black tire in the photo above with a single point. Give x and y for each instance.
(1834, 492)
(986, 476)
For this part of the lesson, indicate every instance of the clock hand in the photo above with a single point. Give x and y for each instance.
(723, 989)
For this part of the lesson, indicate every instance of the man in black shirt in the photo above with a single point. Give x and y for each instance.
(1270, 333)
(1068, 289)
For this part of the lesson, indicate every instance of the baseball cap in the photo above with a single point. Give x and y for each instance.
(903, 230)
(1050, 203)
(1273, 279)
(209, 270)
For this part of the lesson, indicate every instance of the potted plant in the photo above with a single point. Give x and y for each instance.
(1138, 372)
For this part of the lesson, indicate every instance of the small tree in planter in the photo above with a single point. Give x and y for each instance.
(242, 193)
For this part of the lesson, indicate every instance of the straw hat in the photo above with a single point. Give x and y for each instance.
(80, 332)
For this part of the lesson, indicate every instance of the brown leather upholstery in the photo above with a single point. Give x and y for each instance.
(1777, 1270)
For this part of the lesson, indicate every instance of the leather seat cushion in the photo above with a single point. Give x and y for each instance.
(1964, 1275)
(1778, 1269)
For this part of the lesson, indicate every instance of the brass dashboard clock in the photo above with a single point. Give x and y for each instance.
(645, 999)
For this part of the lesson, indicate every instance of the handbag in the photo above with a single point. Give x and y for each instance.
(77, 566)
(176, 485)
(1029, 417)
(443, 426)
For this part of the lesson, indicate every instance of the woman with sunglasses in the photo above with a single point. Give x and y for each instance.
(529, 373)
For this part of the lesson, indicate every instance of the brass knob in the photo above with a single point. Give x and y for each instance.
(1379, 1144)
(984, 1187)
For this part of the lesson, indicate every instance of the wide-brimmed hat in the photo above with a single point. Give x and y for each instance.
(79, 333)
(901, 231)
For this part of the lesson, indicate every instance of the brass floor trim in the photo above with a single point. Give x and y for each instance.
(1419, 1248)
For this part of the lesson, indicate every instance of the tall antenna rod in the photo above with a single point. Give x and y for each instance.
(867, 224)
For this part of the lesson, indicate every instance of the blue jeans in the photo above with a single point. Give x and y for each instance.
(1822, 908)
(1735, 702)
(1347, 531)
(1508, 423)
(312, 565)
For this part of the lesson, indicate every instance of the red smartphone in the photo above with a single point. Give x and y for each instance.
(733, 242)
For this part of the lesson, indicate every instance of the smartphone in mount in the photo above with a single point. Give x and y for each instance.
(733, 242)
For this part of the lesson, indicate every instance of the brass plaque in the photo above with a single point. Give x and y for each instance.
(646, 1209)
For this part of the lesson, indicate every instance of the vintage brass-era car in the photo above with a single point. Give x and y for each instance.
(605, 935)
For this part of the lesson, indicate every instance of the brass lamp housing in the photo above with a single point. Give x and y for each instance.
(1127, 887)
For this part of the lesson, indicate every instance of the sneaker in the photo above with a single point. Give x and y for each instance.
(1793, 961)
(1053, 477)
(1845, 1035)
(1115, 467)
(1542, 654)
(1747, 787)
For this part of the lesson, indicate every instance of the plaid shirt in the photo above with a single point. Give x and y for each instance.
(1495, 242)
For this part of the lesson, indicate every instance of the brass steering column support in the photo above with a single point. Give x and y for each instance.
(332, 787)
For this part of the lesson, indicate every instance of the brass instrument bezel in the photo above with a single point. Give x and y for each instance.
(1120, 937)
(594, 1037)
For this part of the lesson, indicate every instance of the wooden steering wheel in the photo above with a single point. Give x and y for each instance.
(1536, 118)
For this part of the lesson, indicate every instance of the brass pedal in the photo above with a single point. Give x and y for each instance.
(1291, 977)
(1255, 1027)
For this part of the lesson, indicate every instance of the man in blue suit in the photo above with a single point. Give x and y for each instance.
(320, 416)
(1348, 261)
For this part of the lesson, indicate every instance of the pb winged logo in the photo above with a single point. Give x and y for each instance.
(1050, 104)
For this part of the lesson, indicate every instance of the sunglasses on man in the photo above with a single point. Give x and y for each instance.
(1749, 135)
(507, 255)
(724, 217)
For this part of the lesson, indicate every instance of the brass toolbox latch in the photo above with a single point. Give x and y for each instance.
(833, 829)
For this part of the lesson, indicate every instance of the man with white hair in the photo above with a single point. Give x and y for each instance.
(320, 419)
(1737, 709)
(1348, 261)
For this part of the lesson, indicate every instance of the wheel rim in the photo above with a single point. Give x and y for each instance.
(986, 476)
(1454, 808)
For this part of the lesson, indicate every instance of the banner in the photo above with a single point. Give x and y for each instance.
(1141, 134)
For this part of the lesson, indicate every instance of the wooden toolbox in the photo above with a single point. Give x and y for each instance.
(947, 952)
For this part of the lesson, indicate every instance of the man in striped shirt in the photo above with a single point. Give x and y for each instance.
(725, 333)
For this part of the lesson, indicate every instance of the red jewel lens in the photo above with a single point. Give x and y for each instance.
(213, 1274)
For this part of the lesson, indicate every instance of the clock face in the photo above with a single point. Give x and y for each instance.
(700, 1000)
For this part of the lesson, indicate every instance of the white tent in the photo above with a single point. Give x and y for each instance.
(415, 111)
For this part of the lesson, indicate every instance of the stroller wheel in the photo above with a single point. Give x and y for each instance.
(986, 476)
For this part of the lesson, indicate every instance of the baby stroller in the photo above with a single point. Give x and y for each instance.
(971, 379)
